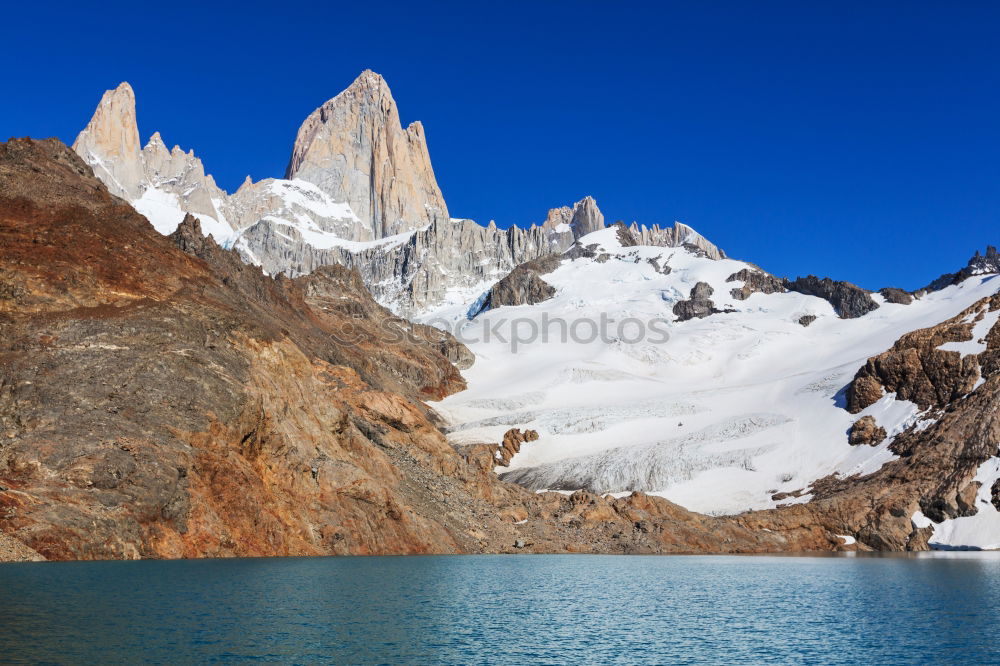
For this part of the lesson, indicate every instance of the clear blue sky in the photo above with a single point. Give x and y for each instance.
(858, 141)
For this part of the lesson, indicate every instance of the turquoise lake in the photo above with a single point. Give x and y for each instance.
(554, 609)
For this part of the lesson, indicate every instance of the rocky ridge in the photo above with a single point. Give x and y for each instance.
(164, 185)
(979, 264)
(359, 191)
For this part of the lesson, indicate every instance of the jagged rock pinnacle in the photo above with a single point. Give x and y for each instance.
(354, 148)
(110, 142)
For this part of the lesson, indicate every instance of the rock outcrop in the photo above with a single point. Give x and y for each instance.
(679, 235)
(866, 432)
(755, 282)
(625, 237)
(698, 305)
(500, 455)
(587, 218)
(849, 301)
(918, 370)
(523, 285)
(354, 148)
(896, 295)
(565, 224)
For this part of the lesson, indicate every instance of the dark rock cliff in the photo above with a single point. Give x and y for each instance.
(848, 300)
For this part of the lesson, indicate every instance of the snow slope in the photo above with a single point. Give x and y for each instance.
(728, 411)
(165, 212)
(298, 210)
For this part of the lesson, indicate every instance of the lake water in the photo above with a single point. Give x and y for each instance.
(506, 609)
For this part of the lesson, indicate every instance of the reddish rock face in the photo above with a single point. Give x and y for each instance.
(162, 399)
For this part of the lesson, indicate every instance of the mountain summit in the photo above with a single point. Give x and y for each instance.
(354, 148)
(110, 143)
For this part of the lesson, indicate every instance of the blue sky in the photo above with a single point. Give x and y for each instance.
(855, 140)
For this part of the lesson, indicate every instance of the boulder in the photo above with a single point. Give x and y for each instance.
(698, 305)
(866, 432)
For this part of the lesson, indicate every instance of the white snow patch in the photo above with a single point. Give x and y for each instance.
(164, 212)
(920, 521)
(978, 532)
(162, 209)
(977, 344)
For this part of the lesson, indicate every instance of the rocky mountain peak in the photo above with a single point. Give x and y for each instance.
(979, 264)
(587, 217)
(355, 149)
(583, 218)
(557, 216)
(110, 142)
(156, 143)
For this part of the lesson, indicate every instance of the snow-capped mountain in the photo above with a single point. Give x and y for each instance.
(164, 185)
(359, 191)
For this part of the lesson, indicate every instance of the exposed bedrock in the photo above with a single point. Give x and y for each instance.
(698, 305)
(848, 300)
(755, 282)
(523, 285)
(916, 369)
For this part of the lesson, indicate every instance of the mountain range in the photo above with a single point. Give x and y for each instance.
(359, 191)
(330, 363)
